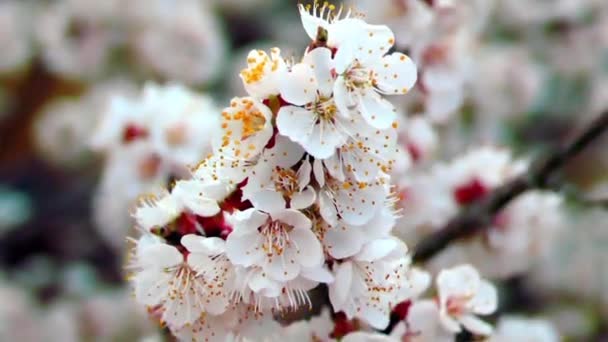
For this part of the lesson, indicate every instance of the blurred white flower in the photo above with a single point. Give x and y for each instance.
(179, 41)
(429, 198)
(178, 123)
(462, 296)
(513, 328)
(78, 36)
(422, 324)
(63, 127)
(146, 141)
(417, 138)
(536, 12)
(317, 328)
(15, 35)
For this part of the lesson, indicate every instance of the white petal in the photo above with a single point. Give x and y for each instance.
(376, 249)
(375, 42)
(151, 286)
(343, 241)
(395, 74)
(304, 199)
(268, 201)
(327, 209)
(420, 281)
(243, 249)
(285, 153)
(485, 300)
(381, 224)
(160, 256)
(324, 139)
(309, 252)
(190, 193)
(476, 325)
(217, 303)
(367, 337)
(320, 60)
(343, 31)
(343, 98)
(157, 213)
(304, 174)
(320, 274)
(182, 308)
(333, 165)
(199, 262)
(310, 23)
(200, 244)
(248, 221)
(260, 178)
(339, 290)
(283, 267)
(259, 281)
(358, 203)
(345, 56)
(299, 86)
(317, 169)
(449, 324)
(217, 191)
(441, 104)
(341, 35)
(294, 218)
(295, 123)
(457, 280)
(377, 111)
(261, 76)
(376, 317)
(145, 241)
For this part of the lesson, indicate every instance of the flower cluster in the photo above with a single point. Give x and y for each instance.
(87, 39)
(461, 296)
(521, 233)
(296, 193)
(147, 141)
(107, 316)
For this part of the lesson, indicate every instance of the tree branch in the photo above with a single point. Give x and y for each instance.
(479, 215)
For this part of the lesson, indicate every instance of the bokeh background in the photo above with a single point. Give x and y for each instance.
(526, 74)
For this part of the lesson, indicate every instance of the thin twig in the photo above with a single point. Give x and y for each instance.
(479, 215)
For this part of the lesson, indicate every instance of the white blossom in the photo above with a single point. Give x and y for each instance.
(185, 287)
(422, 324)
(513, 328)
(179, 41)
(246, 129)
(16, 35)
(277, 239)
(462, 296)
(77, 36)
(263, 74)
(365, 72)
(370, 283)
(318, 126)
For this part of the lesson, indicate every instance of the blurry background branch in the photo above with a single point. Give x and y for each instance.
(480, 214)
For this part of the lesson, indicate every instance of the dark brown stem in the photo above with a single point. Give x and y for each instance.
(479, 215)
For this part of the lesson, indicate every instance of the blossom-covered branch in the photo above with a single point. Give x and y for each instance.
(480, 214)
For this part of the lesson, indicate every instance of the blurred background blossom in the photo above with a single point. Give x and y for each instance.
(80, 141)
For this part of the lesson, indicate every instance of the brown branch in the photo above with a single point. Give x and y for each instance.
(479, 215)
